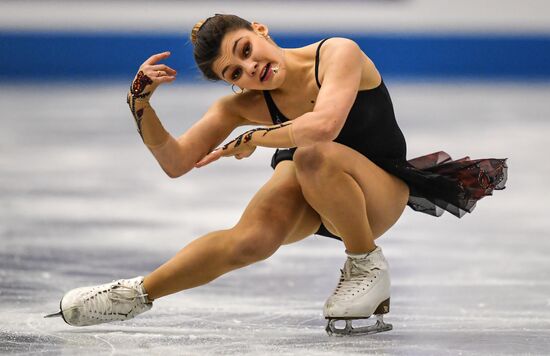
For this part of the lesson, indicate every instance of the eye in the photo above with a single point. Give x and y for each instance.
(246, 50)
(236, 74)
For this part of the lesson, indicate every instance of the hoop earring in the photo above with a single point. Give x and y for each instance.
(236, 92)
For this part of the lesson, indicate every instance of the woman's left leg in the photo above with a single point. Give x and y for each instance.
(356, 199)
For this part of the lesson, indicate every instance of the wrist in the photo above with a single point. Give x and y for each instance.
(291, 135)
(140, 103)
(138, 98)
(249, 138)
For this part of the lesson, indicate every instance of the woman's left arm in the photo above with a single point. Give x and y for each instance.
(340, 73)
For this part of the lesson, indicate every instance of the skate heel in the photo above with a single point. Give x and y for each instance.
(383, 308)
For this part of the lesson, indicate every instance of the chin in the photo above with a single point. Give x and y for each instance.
(275, 84)
(272, 87)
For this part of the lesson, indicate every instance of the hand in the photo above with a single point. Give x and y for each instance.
(236, 148)
(150, 76)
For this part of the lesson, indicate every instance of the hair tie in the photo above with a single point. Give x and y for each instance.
(195, 30)
(198, 27)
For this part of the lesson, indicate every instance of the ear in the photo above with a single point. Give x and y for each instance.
(260, 29)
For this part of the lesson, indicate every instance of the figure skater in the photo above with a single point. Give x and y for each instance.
(340, 169)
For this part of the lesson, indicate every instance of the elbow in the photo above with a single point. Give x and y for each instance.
(176, 172)
(328, 132)
(316, 129)
(173, 175)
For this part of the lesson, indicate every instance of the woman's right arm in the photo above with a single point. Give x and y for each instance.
(177, 156)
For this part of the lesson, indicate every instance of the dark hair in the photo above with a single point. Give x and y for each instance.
(207, 37)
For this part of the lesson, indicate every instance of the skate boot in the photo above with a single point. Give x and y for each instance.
(115, 301)
(363, 290)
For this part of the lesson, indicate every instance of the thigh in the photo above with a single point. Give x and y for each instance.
(385, 195)
(279, 207)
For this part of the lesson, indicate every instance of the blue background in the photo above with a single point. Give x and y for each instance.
(71, 56)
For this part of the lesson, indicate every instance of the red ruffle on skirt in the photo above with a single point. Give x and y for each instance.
(438, 183)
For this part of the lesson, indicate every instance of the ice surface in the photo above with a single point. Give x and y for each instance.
(83, 202)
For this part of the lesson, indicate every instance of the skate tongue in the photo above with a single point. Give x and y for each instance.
(354, 267)
(358, 255)
(347, 269)
(123, 293)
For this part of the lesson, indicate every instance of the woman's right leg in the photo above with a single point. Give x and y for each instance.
(277, 214)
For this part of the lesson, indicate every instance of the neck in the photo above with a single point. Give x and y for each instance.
(296, 71)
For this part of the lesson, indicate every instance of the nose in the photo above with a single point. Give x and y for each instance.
(251, 67)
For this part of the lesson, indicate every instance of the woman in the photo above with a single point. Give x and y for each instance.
(339, 170)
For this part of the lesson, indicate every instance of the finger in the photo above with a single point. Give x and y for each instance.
(202, 162)
(228, 153)
(157, 57)
(206, 160)
(209, 158)
(165, 79)
(157, 74)
(164, 68)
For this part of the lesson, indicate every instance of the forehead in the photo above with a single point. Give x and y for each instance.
(226, 48)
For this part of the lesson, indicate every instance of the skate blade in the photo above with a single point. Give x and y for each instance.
(349, 330)
(58, 314)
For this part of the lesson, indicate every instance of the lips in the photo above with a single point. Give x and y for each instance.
(265, 72)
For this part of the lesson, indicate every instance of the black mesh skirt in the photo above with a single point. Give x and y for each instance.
(438, 183)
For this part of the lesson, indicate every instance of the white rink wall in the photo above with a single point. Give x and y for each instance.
(433, 16)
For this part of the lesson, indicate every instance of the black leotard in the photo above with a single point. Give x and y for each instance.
(435, 181)
(370, 127)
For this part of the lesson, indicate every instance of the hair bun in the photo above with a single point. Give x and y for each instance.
(195, 30)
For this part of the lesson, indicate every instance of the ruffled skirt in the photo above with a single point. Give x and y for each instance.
(438, 183)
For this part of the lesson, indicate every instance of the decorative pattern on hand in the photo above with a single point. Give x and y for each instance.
(247, 136)
(136, 93)
(139, 84)
(240, 147)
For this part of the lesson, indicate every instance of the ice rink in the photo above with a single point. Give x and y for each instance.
(83, 202)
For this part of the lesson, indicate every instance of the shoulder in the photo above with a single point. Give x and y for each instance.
(340, 58)
(223, 112)
(235, 106)
(245, 107)
(339, 46)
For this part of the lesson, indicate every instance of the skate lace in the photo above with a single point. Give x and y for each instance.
(353, 277)
(115, 301)
(122, 293)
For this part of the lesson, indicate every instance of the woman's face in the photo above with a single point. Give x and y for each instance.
(247, 59)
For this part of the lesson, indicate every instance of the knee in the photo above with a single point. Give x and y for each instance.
(253, 244)
(313, 158)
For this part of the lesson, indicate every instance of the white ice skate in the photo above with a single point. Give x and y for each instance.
(363, 290)
(115, 301)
